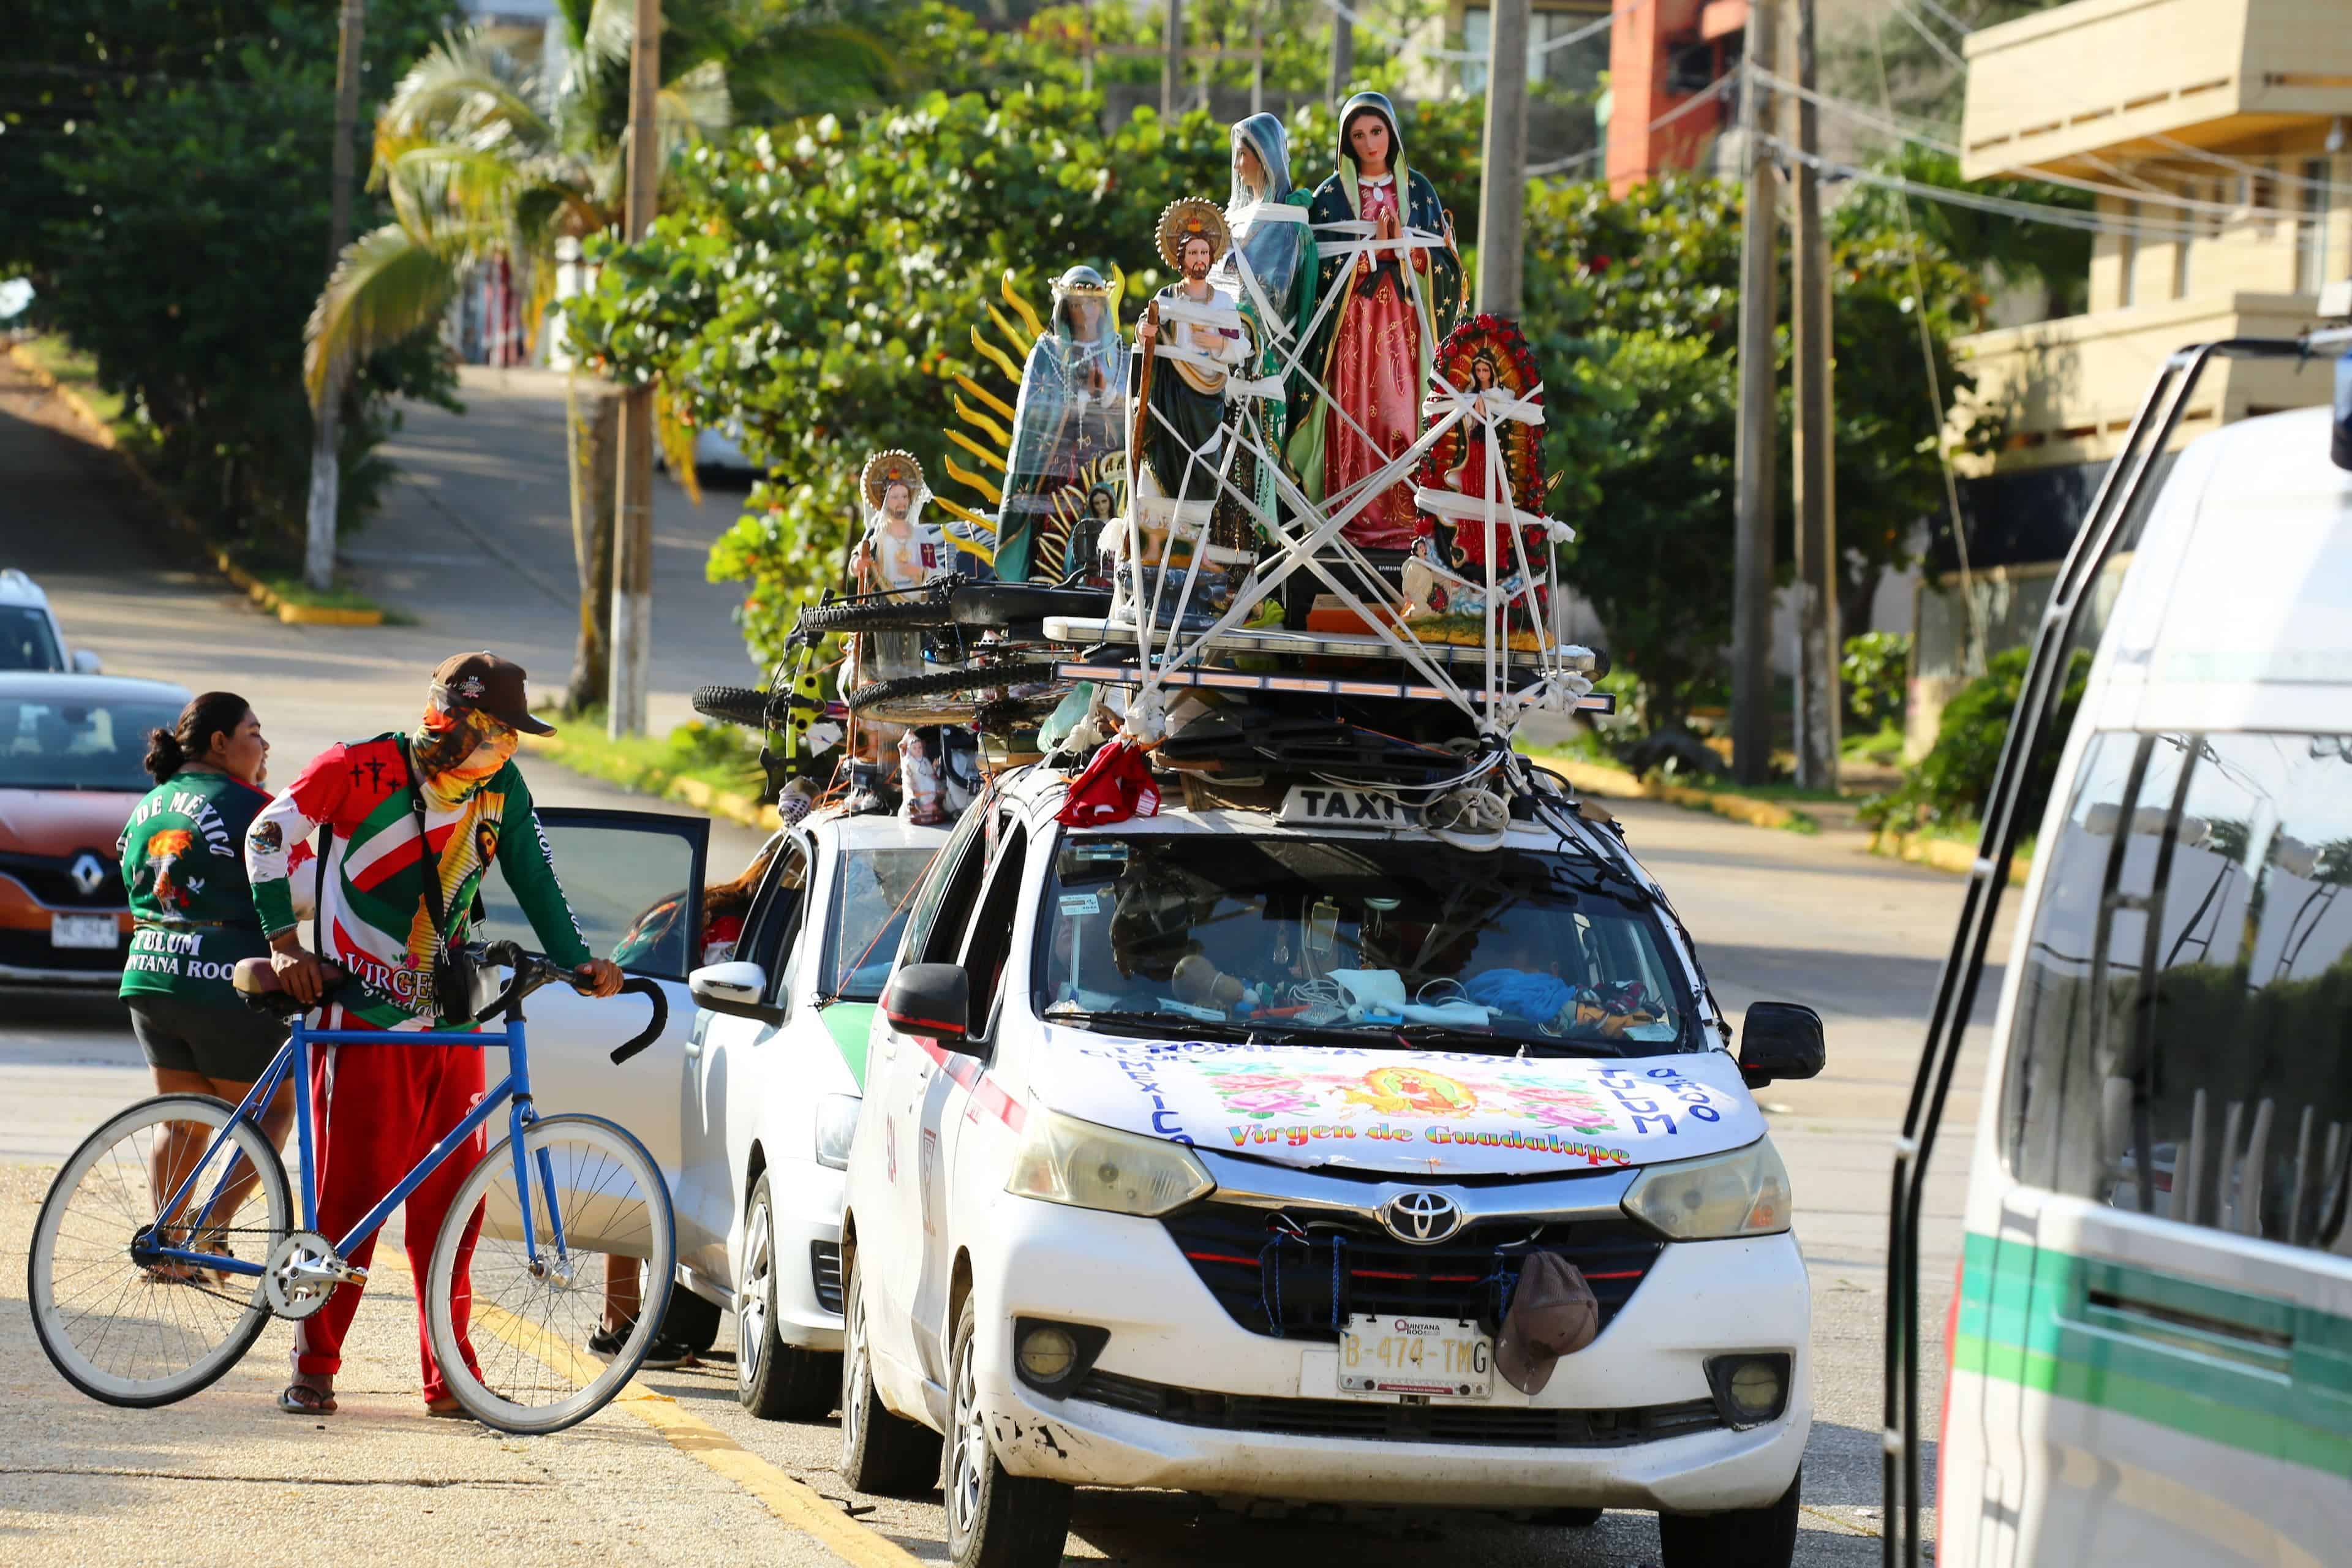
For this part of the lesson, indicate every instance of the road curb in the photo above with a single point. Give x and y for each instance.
(261, 593)
(1942, 855)
(666, 785)
(1596, 778)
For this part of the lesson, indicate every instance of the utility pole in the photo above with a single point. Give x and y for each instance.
(1087, 48)
(1171, 64)
(1258, 56)
(1816, 469)
(1751, 592)
(1343, 56)
(1503, 187)
(326, 476)
(633, 555)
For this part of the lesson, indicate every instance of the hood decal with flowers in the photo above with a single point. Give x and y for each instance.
(1413, 1112)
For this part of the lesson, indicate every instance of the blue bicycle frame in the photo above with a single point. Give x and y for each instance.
(513, 1090)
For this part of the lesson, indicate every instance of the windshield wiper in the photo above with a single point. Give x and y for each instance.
(1170, 1026)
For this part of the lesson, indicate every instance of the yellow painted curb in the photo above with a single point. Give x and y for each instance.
(1942, 855)
(261, 594)
(672, 786)
(1595, 778)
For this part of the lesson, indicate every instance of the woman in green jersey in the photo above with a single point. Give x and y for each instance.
(183, 856)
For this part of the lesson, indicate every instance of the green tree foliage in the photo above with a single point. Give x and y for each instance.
(166, 169)
(1950, 784)
(817, 280)
(1874, 671)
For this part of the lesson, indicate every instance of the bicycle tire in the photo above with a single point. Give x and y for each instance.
(50, 1324)
(596, 1218)
(1019, 603)
(733, 705)
(921, 698)
(933, 609)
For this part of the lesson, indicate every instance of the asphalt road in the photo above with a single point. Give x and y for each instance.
(1777, 916)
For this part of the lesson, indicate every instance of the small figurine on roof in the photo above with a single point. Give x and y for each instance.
(899, 554)
(1480, 493)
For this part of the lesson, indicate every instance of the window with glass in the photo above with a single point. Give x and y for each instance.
(2183, 1035)
(873, 891)
(2311, 233)
(49, 743)
(1356, 940)
(26, 642)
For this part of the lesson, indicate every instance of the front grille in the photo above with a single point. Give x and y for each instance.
(32, 950)
(1378, 1421)
(49, 879)
(825, 1273)
(1303, 1280)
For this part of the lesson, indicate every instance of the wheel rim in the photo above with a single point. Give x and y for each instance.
(118, 1330)
(751, 1302)
(968, 1466)
(852, 1396)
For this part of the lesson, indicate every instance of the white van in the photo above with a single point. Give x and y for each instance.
(2152, 1337)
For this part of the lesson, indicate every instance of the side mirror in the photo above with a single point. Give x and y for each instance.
(931, 999)
(736, 989)
(1779, 1039)
(86, 662)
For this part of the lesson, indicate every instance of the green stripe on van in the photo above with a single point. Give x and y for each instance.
(847, 1023)
(2247, 1370)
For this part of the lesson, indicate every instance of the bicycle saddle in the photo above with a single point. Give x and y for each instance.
(258, 985)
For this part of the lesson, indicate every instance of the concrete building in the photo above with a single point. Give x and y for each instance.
(2240, 106)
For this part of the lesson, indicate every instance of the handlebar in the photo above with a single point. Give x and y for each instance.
(532, 970)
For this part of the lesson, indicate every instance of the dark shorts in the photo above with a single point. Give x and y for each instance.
(231, 1045)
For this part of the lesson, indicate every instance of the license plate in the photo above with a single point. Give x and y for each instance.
(84, 930)
(1439, 1358)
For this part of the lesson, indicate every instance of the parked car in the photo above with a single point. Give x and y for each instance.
(71, 754)
(774, 1075)
(717, 450)
(1205, 1151)
(31, 638)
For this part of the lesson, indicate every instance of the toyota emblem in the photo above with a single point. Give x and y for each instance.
(89, 873)
(1422, 1217)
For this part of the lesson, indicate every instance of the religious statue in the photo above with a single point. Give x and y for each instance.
(897, 556)
(1483, 541)
(1270, 271)
(1067, 419)
(1383, 238)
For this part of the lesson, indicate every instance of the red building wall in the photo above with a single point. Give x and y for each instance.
(1661, 53)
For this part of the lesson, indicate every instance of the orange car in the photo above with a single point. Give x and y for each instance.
(70, 770)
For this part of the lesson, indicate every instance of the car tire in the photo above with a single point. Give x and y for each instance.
(881, 1453)
(995, 1520)
(1744, 1538)
(690, 1321)
(774, 1381)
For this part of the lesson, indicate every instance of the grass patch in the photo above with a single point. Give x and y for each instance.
(292, 588)
(723, 756)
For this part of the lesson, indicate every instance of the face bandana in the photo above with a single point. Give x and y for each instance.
(457, 751)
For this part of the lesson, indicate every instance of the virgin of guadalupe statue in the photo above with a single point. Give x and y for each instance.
(1066, 419)
(1270, 271)
(1384, 237)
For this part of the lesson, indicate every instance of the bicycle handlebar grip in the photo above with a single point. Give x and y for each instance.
(652, 992)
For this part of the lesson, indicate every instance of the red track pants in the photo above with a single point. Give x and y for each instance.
(380, 1109)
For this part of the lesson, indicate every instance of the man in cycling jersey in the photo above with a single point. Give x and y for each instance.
(382, 1107)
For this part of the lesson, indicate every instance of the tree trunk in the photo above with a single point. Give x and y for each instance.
(593, 410)
(1858, 590)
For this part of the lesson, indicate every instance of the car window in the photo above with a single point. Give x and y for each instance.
(935, 928)
(874, 890)
(1256, 935)
(635, 889)
(79, 743)
(2183, 1034)
(990, 941)
(26, 641)
(778, 936)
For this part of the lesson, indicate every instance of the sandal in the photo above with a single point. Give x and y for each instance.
(447, 1409)
(301, 1399)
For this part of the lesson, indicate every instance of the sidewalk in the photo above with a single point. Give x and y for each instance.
(225, 1478)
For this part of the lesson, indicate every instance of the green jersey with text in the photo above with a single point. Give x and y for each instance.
(182, 857)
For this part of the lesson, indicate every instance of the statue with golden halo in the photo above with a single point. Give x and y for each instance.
(897, 556)
(1195, 337)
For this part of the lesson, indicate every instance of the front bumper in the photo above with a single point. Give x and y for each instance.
(807, 1199)
(1628, 1424)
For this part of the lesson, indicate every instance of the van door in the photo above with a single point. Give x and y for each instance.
(2169, 1296)
(635, 881)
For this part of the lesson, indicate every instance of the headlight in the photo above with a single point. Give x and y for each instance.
(837, 1122)
(1064, 1161)
(1744, 1193)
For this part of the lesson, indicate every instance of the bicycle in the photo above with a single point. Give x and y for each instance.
(178, 1306)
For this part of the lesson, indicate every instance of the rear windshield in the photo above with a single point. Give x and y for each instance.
(1361, 941)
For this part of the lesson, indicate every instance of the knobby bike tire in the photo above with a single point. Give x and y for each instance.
(941, 683)
(733, 705)
(880, 615)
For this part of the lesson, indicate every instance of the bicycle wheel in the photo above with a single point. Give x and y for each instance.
(934, 607)
(512, 1332)
(143, 1334)
(957, 695)
(733, 705)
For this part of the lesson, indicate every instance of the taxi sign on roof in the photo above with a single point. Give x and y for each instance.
(1322, 806)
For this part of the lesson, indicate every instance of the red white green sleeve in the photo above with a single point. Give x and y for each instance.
(529, 870)
(277, 844)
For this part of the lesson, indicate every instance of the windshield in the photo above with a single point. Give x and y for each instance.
(24, 641)
(1294, 938)
(47, 743)
(871, 894)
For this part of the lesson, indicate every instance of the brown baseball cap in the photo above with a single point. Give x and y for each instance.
(491, 684)
(1553, 1313)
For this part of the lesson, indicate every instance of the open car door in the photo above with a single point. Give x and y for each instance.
(635, 879)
